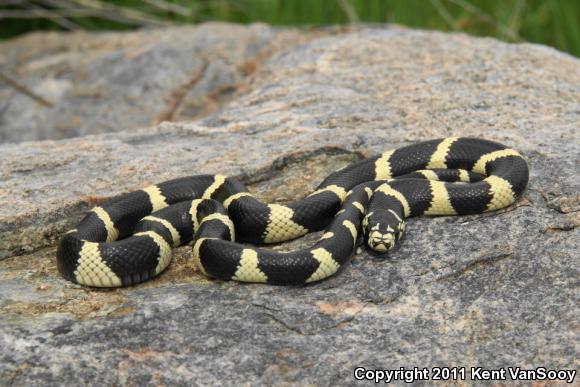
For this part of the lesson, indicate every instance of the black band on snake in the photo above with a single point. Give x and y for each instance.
(129, 239)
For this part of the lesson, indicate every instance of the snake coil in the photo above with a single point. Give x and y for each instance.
(129, 239)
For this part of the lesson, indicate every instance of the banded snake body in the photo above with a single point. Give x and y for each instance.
(129, 239)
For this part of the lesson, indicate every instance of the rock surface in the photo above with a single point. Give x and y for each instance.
(108, 82)
(489, 290)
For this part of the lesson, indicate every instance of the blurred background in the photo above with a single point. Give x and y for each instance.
(551, 22)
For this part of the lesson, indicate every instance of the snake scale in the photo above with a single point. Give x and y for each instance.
(129, 239)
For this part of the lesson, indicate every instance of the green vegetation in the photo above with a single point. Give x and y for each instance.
(551, 22)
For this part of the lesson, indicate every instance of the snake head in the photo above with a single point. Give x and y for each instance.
(382, 230)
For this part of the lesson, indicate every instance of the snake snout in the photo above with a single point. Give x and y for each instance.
(381, 242)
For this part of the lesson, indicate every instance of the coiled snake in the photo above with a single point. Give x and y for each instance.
(129, 239)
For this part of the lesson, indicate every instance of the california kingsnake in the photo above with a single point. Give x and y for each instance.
(129, 239)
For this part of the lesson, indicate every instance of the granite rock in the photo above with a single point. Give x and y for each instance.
(109, 82)
(490, 290)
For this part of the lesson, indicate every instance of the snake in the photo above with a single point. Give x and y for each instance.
(129, 238)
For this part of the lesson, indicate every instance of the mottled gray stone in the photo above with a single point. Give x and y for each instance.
(109, 82)
(490, 290)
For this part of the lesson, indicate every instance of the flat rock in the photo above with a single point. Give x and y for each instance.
(492, 290)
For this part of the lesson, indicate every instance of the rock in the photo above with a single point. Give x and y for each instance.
(109, 82)
(491, 290)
